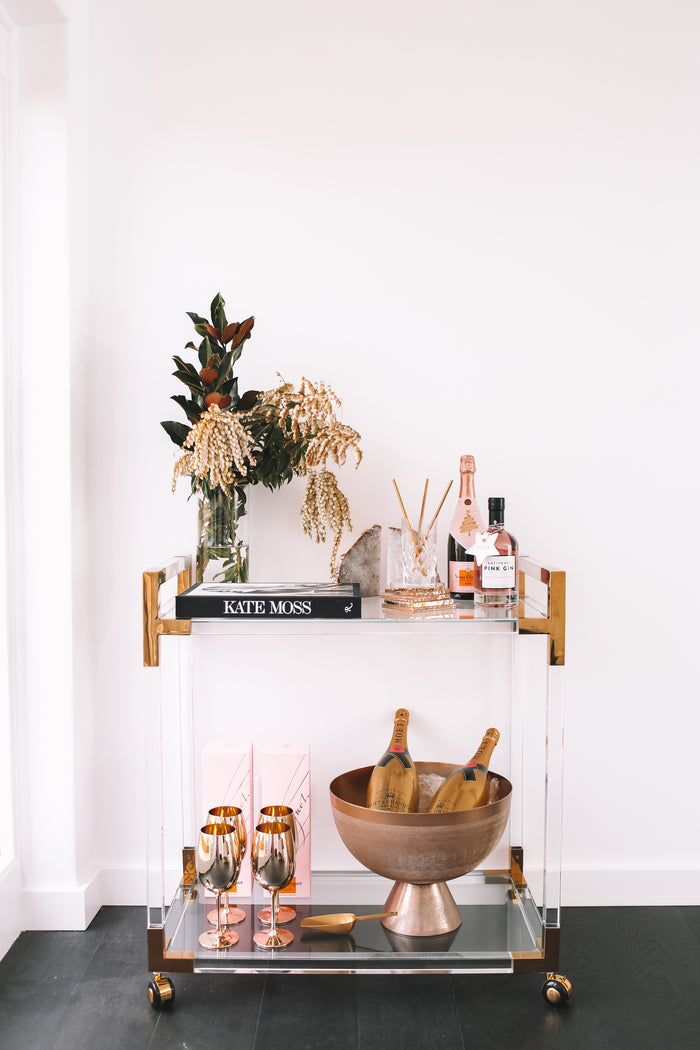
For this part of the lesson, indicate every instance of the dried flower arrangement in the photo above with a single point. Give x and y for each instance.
(259, 437)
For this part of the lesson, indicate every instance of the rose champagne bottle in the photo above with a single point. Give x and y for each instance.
(467, 787)
(466, 521)
(394, 782)
(496, 570)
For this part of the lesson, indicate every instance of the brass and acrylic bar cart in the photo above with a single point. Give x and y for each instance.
(255, 680)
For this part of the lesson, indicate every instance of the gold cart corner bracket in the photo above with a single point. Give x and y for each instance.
(162, 959)
(543, 606)
(155, 625)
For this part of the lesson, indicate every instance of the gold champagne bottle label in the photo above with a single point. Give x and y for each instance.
(393, 784)
(467, 787)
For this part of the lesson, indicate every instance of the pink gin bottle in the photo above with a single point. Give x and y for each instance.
(496, 578)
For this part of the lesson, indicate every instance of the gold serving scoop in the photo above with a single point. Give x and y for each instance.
(342, 922)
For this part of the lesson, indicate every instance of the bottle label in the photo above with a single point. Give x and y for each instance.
(471, 769)
(401, 756)
(466, 522)
(461, 576)
(498, 572)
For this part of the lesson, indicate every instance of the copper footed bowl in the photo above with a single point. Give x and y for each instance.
(420, 851)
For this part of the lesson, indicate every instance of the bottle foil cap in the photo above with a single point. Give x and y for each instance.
(467, 465)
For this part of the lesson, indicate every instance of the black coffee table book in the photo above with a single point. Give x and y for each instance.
(278, 601)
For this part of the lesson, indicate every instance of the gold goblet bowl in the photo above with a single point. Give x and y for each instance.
(218, 861)
(232, 815)
(420, 852)
(285, 814)
(272, 859)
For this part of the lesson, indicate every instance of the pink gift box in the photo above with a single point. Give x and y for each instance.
(286, 781)
(227, 780)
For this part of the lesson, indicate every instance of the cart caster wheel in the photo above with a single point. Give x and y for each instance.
(161, 991)
(557, 989)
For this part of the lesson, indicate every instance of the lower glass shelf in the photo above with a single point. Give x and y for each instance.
(500, 923)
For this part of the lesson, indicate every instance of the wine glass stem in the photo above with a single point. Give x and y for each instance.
(273, 915)
(218, 916)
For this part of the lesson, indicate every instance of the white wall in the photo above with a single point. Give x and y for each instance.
(480, 224)
(50, 727)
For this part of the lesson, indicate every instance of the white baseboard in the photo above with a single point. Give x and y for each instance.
(74, 909)
(123, 886)
(636, 887)
(61, 909)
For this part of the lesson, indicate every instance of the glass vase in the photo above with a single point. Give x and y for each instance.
(222, 543)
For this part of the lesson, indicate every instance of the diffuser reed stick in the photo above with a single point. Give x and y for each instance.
(427, 531)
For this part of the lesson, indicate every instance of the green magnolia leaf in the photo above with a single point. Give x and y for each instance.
(184, 366)
(218, 317)
(177, 432)
(202, 328)
(218, 552)
(234, 572)
(211, 348)
(230, 387)
(225, 366)
(235, 354)
(197, 319)
(191, 409)
(203, 354)
(189, 380)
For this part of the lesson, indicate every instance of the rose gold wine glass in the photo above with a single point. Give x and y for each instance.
(272, 858)
(232, 815)
(286, 815)
(218, 864)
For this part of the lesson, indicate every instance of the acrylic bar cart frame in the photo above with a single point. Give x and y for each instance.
(511, 912)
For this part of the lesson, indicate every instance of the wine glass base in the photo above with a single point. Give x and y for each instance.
(266, 939)
(228, 918)
(212, 941)
(284, 914)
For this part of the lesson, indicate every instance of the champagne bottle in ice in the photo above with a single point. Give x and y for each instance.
(467, 787)
(393, 784)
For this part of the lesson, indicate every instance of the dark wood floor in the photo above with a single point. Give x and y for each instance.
(635, 974)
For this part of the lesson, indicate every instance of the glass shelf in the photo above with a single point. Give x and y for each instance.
(465, 615)
(374, 617)
(499, 924)
(539, 611)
